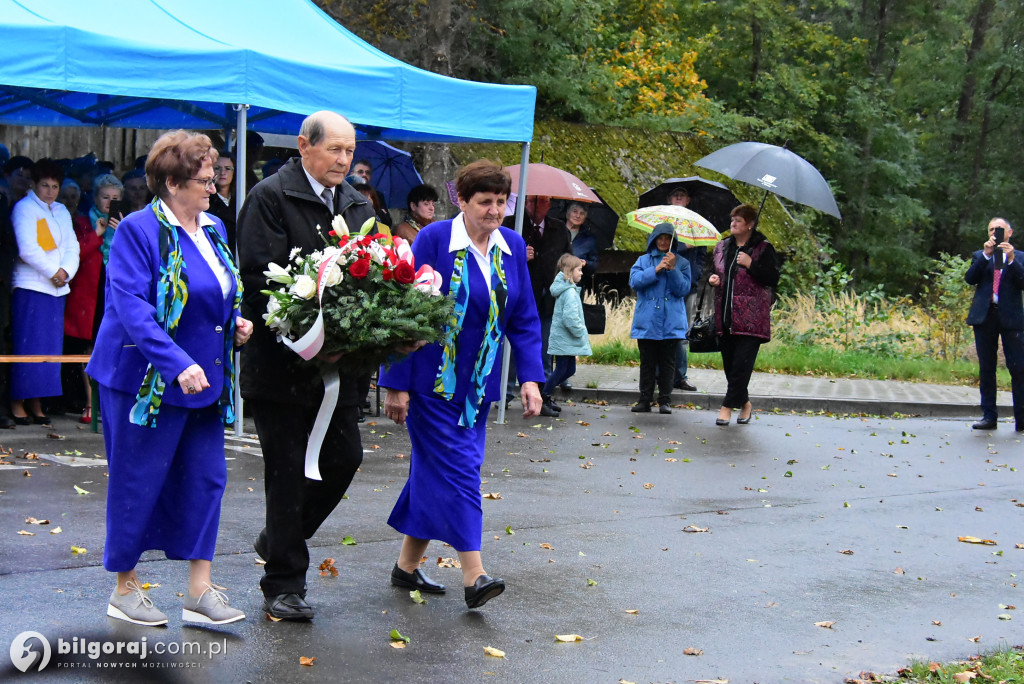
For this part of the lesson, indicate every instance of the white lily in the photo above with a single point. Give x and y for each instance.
(278, 274)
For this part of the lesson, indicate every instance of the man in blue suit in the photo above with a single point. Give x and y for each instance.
(998, 311)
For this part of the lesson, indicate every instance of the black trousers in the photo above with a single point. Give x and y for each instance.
(986, 341)
(657, 358)
(739, 352)
(296, 506)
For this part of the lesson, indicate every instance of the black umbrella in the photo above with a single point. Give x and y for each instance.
(776, 170)
(710, 199)
(601, 219)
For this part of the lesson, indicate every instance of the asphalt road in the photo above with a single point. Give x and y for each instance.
(850, 522)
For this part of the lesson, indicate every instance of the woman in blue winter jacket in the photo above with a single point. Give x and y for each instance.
(568, 338)
(661, 281)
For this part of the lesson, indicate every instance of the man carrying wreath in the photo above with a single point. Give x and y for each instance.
(290, 210)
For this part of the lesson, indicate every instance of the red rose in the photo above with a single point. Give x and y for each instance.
(359, 268)
(405, 273)
(387, 274)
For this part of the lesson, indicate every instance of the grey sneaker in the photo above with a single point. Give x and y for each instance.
(211, 608)
(135, 607)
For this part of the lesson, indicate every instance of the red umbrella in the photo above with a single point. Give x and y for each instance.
(545, 180)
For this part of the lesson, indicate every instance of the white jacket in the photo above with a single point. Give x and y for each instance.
(35, 267)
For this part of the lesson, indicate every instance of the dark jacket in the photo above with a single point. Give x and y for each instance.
(1011, 283)
(743, 301)
(585, 247)
(660, 296)
(226, 213)
(547, 248)
(279, 214)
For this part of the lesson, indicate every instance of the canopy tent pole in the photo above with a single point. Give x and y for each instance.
(524, 166)
(240, 167)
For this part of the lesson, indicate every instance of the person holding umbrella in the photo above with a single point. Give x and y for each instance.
(661, 281)
(745, 271)
(696, 256)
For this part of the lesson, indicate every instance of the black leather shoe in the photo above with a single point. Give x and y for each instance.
(287, 607)
(22, 420)
(42, 420)
(1018, 428)
(483, 590)
(6, 423)
(985, 425)
(566, 386)
(685, 386)
(642, 407)
(664, 408)
(415, 580)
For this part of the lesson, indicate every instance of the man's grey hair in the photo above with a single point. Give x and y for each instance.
(312, 128)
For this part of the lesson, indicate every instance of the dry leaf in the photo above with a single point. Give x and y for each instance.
(308, 662)
(78, 549)
(272, 618)
(448, 562)
(81, 491)
(975, 639)
(694, 528)
(937, 623)
(689, 650)
(56, 530)
(633, 611)
(26, 534)
(33, 521)
(648, 485)
(934, 667)
(899, 571)
(26, 473)
(964, 676)
(827, 624)
(568, 637)
(398, 644)
(672, 460)
(520, 434)
(493, 652)
(711, 681)
(975, 540)
(147, 586)
(492, 495)
(327, 568)
(846, 552)
(547, 546)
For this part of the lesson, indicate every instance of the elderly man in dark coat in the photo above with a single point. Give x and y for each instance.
(290, 210)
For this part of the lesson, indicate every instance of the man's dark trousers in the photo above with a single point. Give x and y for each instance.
(986, 341)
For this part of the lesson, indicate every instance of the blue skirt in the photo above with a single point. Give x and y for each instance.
(165, 483)
(441, 499)
(37, 327)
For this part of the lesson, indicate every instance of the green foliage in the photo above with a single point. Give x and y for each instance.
(947, 298)
(1003, 665)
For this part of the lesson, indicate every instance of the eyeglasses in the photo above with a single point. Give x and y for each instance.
(208, 183)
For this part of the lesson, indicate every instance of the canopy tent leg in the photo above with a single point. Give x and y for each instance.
(240, 167)
(506, 357)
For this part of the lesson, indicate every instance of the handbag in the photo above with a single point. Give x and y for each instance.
(594, 318)
(701, 335)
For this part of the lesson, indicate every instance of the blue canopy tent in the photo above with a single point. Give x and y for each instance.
(245, 64)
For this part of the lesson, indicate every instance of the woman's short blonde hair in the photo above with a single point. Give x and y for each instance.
(567, 263)
(177, 156)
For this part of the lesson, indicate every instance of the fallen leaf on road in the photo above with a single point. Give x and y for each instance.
(976, 540)
(56, 530)
(1019, 546)
(327, 568)
(899, 571)
(591, 583)
(33, 521)
(308, 662)
(1005, 616)
(846, 552)
(964, 676)
(260, 561)
(148, 585)
(417, 597)
(979, 509)
(27, 534)
(348, 541)
(671, 460)
(648, 485)
(493, 652)
(690, 650)
(568, 637)
(492, 495)
(78, 549)
(582, 422)
(26, 473)
(694, 528)
(975, 639)
(521, 434)
(827, 624)
(397, 644)
(80, 490)
(547, 546)
(633, 611)
(711, 681)
(448, 562)
(397, 636)
(937, 623)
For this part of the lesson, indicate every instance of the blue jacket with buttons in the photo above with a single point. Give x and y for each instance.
(660, 308)
(129, 338)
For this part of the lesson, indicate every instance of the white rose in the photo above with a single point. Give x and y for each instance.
(304, 287)
(335, 275)
(339, 226)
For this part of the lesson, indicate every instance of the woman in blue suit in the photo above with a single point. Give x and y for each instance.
(445, 389)
(164, 363)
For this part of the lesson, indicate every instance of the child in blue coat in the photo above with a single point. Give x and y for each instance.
(568, 338)
(661, 281)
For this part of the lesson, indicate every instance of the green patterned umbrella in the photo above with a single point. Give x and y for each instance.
(690, 227)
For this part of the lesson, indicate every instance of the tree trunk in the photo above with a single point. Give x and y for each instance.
(979, 26)
(755, 55)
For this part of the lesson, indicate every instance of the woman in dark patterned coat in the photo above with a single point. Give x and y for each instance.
(746, 270)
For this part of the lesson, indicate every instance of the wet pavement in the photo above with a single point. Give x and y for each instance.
(729, 541)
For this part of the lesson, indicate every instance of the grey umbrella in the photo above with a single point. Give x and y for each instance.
(775, 169)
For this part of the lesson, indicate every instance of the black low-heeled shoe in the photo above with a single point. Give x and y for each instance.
(415, 580)
(483, 590)
(721, 421)
(42, 420)
(22, 420)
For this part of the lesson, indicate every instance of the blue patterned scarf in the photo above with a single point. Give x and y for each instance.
(446, 379)
(171, 297)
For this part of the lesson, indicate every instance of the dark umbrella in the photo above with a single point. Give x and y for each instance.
(775, 169)
(394, 174)
(601, 219)
(710, 199)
